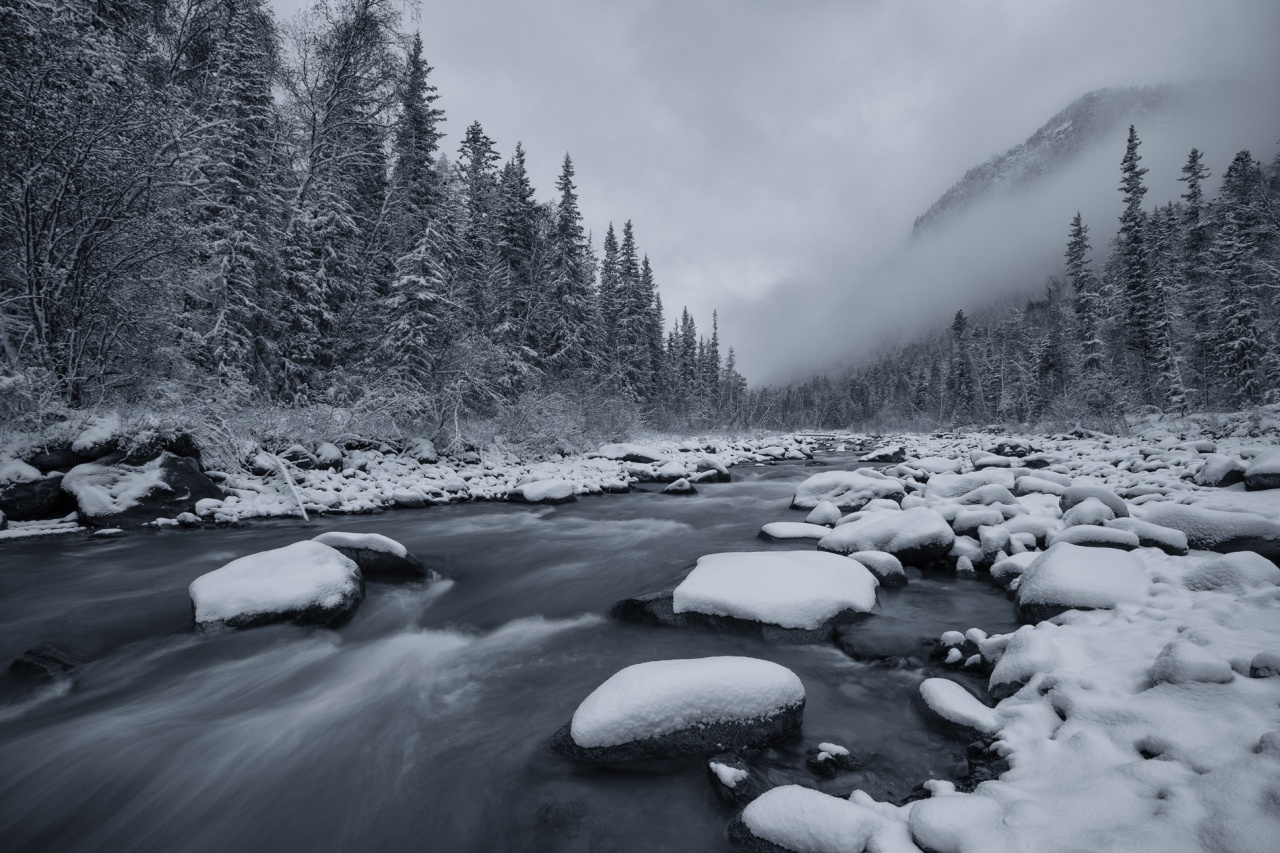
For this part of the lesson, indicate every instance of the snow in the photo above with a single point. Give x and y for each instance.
(295, 577)
(364, 541)
(1153, 535)
(102, 490)
(1073, 576)
(794, 530)
(918, 527)
(1238, 573)
(886, 567)
(1100, 537)
(938, 465)
(1182, 662)
(631, 453)
(1211, 529)
(660, 697)
(1081, 492)
(728, 776)
(1088, 511)
(96, 434)
(955, 485)
(1263, 471)
(545, 490)
(808, 821)
(792, 589)
(825, 513)
(956, 705)
(846, 489)
(17, 471)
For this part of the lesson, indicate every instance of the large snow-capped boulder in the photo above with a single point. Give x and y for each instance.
(627, 452)
(1073, 577)
(951, 486)
(804, 590)
(849, 490)
(954, 710)
(1218, 530)
(1153, 535)
(885, 567)
(1081, 492)
(1092, 536)
(552, 491)
(825, 513)
(937, 465)
(1220, 471)
(1237, 573)
(422, 450)
(307, 583)
(916, 536)
(377, 556)
(122, 495)
(802, 820)
(681, 707)
(1263, 472)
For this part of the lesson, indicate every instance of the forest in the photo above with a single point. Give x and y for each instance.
(202, 211)
(1179, 313)
(205, 212)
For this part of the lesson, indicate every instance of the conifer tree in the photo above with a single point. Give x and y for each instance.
(1130, 255)
(1088, 299)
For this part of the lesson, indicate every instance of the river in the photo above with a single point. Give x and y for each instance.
(421, 724)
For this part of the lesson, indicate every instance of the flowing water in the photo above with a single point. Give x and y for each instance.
(421, 724)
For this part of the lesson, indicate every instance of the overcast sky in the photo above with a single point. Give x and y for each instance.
(772, 155)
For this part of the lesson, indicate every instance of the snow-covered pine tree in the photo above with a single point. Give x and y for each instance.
(1198, 295)
(1237, 273)
(478, 259)
(1087, 297)
(568, 338)
(1166, 293)
(1129, 254)
(415, 192)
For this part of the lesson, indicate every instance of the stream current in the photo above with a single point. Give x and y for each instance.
(422, 723)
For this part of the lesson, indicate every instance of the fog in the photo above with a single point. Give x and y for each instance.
(774, 155)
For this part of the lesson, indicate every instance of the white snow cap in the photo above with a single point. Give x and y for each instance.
(545, 490)
(845, 489)
(957, 705)
(297, 576)
(793, 589)
(728, 776)
(365, 541)
(794, 530)
(891, 532)
(659, 697)
(809, 821)
(1076, 576)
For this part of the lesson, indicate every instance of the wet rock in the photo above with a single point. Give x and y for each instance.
(377, 556)
(829, 759)
(884, 641)
(53, 457)
(1265, 664)
(151, 446)
(36, 499)
(731, 779)
(680, 487)
(44, 662)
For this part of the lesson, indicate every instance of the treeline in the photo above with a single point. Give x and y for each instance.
(1181, 314)
(198, 205)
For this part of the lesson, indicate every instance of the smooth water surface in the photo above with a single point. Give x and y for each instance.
(421, 724)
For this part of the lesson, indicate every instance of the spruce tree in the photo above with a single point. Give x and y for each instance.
(1130, 254)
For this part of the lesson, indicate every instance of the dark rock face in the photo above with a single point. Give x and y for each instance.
(1013, 447)
(37, 499)
(177, 484)
(54, 457)
(1033, 612)
(743, 790)
(705, 738)
(829, 764)
(886, 643)
(153, 446)
(941, 723)
(741, 836)
(382, 565)
(982, 764)
(45, 662)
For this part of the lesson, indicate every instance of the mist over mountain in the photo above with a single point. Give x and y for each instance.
(1083, 124)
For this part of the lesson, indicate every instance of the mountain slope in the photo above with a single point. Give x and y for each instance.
(1085, 121)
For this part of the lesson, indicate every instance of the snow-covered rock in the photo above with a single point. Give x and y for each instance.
(1263, 472)
(551, 491)
(890, 453)
(916, 536)
(1218, 530)
(950, 707)
(679, 707)
(731, 779)
(422, 451)
(1081, 492)
(329, 456)
(781, 530)
(1153, 535)
(1071, 577)
(1097, 537)
(825, 513)
(307, 583)
(1004, 571)
(804, 590)
(1183, 662)
(952, 486)
(1237, 573)
(1220, 471)
(1030, 485)
(377, 556)
(680, 487)
(1088, 511)
(122, 495)
(628, 452)
(938, 465)
(886, 568)
(40, 497)
(802, 820)
(846, 489)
